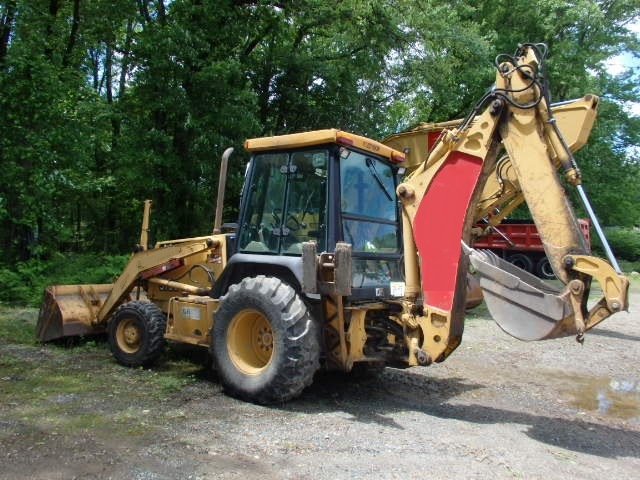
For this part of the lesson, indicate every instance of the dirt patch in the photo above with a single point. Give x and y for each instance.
(497, 408)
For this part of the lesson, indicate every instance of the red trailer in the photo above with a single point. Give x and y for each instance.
(518, 242)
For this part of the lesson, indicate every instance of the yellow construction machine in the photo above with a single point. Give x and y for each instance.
(351, 252)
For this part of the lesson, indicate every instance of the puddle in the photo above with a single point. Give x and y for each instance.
(610, 397)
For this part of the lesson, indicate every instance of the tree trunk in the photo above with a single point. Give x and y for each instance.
(5, 30)
(108, 73)
(143, 7)
(162, 12)
(124, 66)
(54, 7)
(73, 35)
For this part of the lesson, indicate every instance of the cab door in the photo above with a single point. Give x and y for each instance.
(285, 202)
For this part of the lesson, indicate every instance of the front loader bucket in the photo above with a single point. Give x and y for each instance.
(69, 310)
(521, 304)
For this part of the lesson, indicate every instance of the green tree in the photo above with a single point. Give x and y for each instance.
(46, 123)
(104, 103)
(582, 37)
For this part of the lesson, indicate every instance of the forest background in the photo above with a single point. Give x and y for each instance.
(104, 103)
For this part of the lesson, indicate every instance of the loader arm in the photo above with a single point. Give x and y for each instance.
(68, 310)
(146, 264)
(445, 194)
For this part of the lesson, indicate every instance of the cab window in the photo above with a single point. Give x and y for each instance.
(286, 202)
(368, 203)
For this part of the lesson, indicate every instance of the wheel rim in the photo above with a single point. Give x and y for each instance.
(250, 342)
(129, 335)
(547, 270)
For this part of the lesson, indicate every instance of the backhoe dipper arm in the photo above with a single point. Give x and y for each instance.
(441, 199)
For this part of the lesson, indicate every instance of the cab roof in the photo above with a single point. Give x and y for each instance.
(319, 137)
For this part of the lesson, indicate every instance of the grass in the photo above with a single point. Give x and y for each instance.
(65, 389)
(17, 325)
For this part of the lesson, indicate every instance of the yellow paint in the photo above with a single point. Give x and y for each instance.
(190, 319)
(319, 137)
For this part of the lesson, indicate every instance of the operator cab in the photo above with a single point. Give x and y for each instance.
(326, 186)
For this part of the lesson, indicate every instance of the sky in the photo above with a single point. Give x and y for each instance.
(620, 63)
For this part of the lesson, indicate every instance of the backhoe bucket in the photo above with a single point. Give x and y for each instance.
(521, 304)
(474, 292)
(69, 310)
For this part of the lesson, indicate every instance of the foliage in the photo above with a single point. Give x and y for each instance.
(108, 102)
(24, 282)
(625, 243)
(631, 268)
(611, 168)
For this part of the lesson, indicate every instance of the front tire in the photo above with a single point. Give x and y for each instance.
(136, 334)
(265, 343)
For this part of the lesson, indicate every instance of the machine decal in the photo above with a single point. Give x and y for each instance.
(190, 312)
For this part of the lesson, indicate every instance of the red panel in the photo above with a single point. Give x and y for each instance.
(437, 226)
(431, 138)
(162, 268)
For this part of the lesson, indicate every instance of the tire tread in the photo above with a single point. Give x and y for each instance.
(155, 324)
(299, 361)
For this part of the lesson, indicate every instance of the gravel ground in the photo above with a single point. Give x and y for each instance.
(497, 408)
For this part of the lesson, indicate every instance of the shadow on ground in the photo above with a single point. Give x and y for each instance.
(374, 400)
(612, 334)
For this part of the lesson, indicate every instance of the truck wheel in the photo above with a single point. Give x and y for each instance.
(136, 333)
(544, 270)
(521, 261)
(265, 344)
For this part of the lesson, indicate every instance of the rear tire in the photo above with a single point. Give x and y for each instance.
(544, 270)
(136, 334)
(265, 343)
(521, 261)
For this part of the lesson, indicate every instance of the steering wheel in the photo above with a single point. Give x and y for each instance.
(275, 214)
(292, 223)
(296, 223)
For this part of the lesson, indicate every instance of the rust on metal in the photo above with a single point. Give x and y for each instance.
(69, 310)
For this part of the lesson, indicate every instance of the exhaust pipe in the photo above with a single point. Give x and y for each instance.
(222, 181)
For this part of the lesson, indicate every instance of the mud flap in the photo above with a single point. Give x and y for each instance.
(522, 305)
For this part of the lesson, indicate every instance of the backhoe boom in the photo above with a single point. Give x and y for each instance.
(459, 173)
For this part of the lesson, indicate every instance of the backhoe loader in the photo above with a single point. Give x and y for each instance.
(351, 252)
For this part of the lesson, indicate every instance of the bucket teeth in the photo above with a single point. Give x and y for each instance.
(521, 304)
